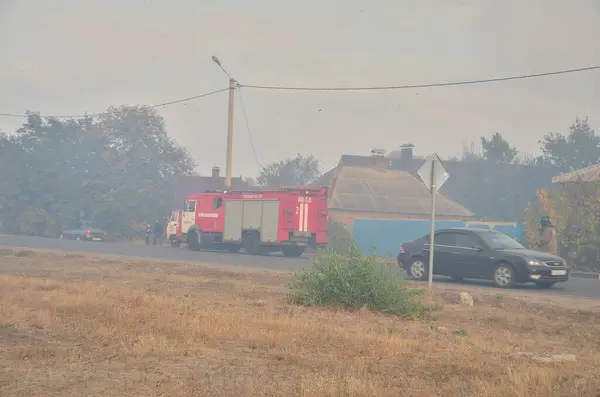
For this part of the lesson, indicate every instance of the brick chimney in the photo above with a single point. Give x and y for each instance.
(216, 171)
(406, 151)
(378, 159)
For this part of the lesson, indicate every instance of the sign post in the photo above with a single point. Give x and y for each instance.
(434, 175)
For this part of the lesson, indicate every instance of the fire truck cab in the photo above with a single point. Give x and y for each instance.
(174, 229)
(287, 220)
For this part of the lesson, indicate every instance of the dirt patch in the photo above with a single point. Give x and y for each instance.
(73, 326)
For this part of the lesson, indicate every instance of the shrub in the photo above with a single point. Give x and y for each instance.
(575, 211)
(354, 281)
(338, 237)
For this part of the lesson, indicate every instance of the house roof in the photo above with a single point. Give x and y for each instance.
(587, 174)
(191, 184)
(389, 191)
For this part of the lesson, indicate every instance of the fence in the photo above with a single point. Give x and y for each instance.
(385, 236)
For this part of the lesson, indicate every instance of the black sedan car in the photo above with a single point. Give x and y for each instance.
(481, 254)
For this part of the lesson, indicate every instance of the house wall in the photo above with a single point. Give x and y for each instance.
(348, 217)
(385, 236)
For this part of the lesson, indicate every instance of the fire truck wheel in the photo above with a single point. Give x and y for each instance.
(192, 240)
(293, 251)
(251, 243)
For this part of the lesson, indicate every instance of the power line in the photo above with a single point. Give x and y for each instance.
(430, 85)
(367, 88)
(248, 127)
(163, 104)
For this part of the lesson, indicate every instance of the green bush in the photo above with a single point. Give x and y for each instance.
(354, 281)
(338, 237)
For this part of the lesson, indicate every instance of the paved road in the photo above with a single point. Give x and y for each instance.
(142, 251)
(576, 287)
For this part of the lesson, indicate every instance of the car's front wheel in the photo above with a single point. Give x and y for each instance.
(504, 276)
(417, 269)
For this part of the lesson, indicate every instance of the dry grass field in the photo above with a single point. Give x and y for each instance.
(90, 326)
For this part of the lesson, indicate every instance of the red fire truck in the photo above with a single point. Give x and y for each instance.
(287, 219)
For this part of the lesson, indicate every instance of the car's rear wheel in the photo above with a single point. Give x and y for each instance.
(417, 269)
(545, 284)
(504, 276)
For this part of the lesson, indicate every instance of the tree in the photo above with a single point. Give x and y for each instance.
(578, 149)
(497, 150)
(250, 181)
(494, 181)
(575, 211)
(143, 162)
(119, 168)
(298, 171)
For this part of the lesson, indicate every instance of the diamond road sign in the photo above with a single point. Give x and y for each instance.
(440, 175)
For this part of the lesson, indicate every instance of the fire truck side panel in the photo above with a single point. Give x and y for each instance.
(232, 225)
(269, 231)
(288, 219)
(312, 217)
(282, 218)
(252, 215)
(209, 210)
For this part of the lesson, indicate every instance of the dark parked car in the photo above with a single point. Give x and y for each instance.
(86, 234)
(482, 254)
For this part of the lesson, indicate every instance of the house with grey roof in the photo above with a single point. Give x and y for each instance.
(371, 189)
(467, 183)
(587, 174)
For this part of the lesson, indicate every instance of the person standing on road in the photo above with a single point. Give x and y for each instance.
(148, 233)
(547, 242)
(158, 231)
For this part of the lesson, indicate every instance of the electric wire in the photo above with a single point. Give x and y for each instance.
(163, 104)
(366, 88)
(428, 85)
(248, 127)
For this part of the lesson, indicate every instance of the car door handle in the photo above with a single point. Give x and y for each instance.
(457, 253)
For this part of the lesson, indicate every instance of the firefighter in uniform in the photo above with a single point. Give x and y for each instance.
(158, 232)
(547, 242)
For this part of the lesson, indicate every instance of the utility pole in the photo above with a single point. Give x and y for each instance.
(232, 87)
(229, 161)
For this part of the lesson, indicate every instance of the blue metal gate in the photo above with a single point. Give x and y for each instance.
(385, 236)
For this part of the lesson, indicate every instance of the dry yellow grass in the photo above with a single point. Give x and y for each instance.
(81, 326)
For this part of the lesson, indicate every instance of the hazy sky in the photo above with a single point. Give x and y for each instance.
(73, 56)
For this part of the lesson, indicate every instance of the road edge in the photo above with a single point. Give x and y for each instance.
(595, 276)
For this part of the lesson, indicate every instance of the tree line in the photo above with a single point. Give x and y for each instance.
(116, 169)
(504, 180)
(496, 181)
